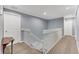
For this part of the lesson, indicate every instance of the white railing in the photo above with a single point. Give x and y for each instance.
(28, 30)
(51, 38)
(37, 43)
(48, 41)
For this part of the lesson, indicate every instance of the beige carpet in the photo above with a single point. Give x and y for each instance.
(22, 48)
(67, 45)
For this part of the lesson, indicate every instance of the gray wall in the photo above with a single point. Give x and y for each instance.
(56, 23)
(36, 25)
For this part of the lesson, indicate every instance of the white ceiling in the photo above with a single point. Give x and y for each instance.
(44, 11)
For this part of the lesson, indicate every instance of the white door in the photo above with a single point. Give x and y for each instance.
(12, 25)
(68, 26)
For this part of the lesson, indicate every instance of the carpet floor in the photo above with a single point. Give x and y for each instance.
(67, 45)
(21, 48)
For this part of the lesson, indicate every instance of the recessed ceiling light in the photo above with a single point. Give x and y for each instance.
(44, 13)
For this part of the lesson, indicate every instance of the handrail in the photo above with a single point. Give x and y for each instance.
(28, 30)
(36, 39)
